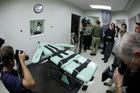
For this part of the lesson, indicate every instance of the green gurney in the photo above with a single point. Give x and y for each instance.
(76, 70)
(86, 74)
(65, 45)
(37, 55)
(57, 59)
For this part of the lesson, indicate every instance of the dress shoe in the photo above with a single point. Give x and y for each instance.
(92, 54)
(105, 61)
(88, 48)
(102, 52)
(109, 91)
(103, 58)
(107, 84)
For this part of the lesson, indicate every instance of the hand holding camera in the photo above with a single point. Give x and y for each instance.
(22, 56)
(118, 78)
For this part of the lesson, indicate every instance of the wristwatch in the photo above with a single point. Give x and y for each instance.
(118, 86)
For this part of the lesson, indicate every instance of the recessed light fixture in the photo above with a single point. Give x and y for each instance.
(101, 7)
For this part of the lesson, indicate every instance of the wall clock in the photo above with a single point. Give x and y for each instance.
(38, 8)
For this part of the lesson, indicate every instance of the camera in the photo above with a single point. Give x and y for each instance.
(85, 21)
(117, 27)
(17, 57)
(18, 62)
(109, 73)
(1, 42)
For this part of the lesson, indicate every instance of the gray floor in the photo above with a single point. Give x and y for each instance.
(96, 86)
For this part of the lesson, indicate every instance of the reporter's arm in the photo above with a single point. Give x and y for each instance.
(119, 89)
(118, 78)
(28, 81)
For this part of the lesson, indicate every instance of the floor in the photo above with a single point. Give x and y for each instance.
(96, 86)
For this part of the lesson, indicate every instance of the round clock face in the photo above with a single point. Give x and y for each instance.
(38, 8)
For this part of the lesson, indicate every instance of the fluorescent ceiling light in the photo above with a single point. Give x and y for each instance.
(101, 7)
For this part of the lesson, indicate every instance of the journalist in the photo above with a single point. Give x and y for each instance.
(10, 77)
(129, 51)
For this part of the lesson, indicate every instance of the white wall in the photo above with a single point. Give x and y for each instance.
(134, 14)
(16, 14)
(93, 13)
(115, 15)
(120, 16)
(134, 9)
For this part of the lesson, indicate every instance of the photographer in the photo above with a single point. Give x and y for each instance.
(10, 77)
(129, 51)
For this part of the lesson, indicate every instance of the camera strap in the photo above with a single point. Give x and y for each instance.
(18, 70)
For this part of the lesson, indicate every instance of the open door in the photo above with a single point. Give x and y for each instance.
(75, 23)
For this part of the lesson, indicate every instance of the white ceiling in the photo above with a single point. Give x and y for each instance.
(117, 5)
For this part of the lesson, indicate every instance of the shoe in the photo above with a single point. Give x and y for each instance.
(103, 58)
(88, 48)
(102, 52)
(105, 61)
(107, 84)
(109, 91)
(92, 54)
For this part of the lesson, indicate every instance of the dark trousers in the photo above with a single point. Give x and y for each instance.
(108, 50)
(87, 41)
(104, 39)
(117, 61)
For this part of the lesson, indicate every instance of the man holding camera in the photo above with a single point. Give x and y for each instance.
(10, 78)
(129, 51)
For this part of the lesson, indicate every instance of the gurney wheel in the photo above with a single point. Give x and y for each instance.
(84, 88)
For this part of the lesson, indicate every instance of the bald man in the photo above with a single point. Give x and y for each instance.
(129, 51)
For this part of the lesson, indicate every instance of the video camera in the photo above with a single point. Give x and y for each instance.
(85, 21)
(109, 73)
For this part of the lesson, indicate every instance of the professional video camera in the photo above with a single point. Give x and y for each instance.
(18, 61)
(109, 73)
(85, 21)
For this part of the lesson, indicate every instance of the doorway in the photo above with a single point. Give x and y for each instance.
(75, 23)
